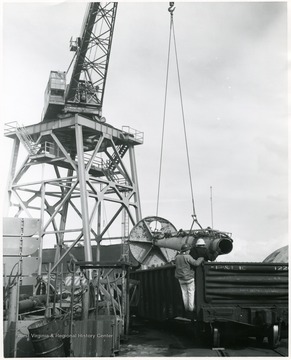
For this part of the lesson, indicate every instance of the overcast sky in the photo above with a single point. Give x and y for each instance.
(233, 68)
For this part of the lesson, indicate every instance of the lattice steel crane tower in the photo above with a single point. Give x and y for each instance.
(92, 162)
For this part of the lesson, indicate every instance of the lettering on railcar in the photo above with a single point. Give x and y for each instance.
(222, 267)
(229, 267)
(281, 267)
(247, 267)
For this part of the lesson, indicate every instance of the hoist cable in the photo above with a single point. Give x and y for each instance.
(172, 30)
(184, 126)
(164, 117)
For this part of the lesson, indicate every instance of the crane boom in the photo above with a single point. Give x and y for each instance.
(85, 91)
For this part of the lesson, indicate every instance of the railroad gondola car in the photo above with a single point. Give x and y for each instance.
(243, 298)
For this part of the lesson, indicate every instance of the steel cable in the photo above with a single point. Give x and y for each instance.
(164, 117)
(172, 30)
(184, 126)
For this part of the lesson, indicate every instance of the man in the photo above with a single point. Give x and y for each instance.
(200, 250)
(184, 272)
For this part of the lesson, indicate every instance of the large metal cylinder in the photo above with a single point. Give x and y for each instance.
(154, 241)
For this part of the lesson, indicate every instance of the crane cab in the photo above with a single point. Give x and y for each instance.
(54, 97)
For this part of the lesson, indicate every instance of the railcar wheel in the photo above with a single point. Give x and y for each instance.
(274, 336)
(216, 337)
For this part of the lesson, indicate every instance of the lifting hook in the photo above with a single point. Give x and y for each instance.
(171, 8)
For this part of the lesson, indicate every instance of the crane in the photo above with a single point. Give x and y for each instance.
(85, 164)
(85, 92)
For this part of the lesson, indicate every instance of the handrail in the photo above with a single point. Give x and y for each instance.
(136, 134)
(8, 127)
(98, 162)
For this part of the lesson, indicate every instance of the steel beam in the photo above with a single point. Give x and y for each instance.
(63, 221)
(83, 193)
(11, 174)
(135, 181)
(70, 137)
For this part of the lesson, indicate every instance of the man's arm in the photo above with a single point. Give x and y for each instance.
(194, 262)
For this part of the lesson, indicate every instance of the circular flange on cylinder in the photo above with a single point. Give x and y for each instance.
(142, 241)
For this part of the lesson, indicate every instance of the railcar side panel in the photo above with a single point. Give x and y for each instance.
(160, 296)
(246, 293)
